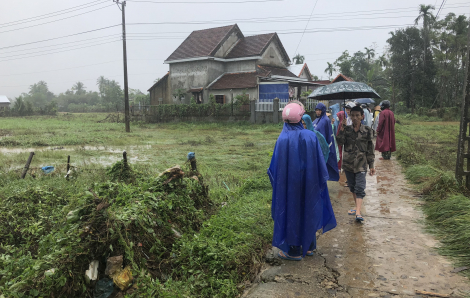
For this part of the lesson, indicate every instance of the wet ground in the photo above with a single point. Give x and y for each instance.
(389, 255)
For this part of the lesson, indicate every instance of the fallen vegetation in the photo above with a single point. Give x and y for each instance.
(428, 153)
(196, 235)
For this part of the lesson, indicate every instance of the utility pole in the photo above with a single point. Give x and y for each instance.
(460, 171)
(124, 53)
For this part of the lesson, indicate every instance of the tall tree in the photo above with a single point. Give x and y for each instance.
(299, 59)
(370, 53)
(428, 18)
(79, 88)
(330, 69)
(102, 82)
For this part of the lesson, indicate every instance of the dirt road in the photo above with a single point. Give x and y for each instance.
(389, 255)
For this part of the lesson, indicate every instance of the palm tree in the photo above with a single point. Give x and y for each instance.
(102, 82)
(428, 19)
(330, 69)
(370, 54)
(79, 88)
(299, 59)
(382, 61)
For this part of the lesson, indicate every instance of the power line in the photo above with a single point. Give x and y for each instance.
(84, 32)
(69, 17)
(442, 5)
(69, 68)
(204, 2)
(308, 22)
(58, 51)
(62, 48)
(40, 17)
(64, 43)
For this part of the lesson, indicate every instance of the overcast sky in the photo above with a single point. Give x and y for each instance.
(351, 25)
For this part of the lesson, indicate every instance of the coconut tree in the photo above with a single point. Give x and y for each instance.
(370, 54)
(428, 18)
(299, 59)
(79, 88)
(330, 69)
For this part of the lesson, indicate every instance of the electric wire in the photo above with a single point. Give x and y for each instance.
(442, 6)
(308, 22)
(69, 17)
(59, 51)
(111, 38)
(75, 34)
(203, 2)
(41, 17)
(64, 43)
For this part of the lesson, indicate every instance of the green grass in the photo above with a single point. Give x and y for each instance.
(427, 150)
(222, 244)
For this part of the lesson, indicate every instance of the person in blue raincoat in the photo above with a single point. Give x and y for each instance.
(300, 200)
(334, 110)
(323, 125)
(367, 116)
(307, 121)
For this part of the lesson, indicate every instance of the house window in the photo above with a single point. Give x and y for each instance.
(220, 99)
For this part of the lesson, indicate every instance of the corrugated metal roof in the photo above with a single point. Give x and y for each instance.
(4, 99)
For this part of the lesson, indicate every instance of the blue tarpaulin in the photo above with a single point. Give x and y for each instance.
(267, 92)
(47, 169)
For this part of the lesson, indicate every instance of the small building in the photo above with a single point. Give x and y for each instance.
(224, 63)
(4, 103)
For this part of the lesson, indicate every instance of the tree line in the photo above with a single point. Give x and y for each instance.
(421, 68)
(109, 98)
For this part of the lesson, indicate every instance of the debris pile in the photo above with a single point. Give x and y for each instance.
(100, 242)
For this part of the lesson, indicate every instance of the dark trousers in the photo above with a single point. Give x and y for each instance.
(387, 154)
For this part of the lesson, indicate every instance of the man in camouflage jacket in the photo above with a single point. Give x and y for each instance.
(358, 154)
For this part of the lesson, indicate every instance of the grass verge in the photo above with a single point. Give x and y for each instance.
(428, 154)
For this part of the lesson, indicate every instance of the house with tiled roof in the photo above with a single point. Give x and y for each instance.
(223, 62)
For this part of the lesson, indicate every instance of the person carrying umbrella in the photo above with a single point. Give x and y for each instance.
(385, 143)
(300, 201)
(323, 125)
(357, 155)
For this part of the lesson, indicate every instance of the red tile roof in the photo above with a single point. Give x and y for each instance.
(276, 71)
(202, 43)
(240, 80)
(341, 77)
(251, 46)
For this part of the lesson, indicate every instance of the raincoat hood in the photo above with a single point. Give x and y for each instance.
(322, 108)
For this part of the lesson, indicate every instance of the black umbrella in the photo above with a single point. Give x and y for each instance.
(364, 101)
(344, 90)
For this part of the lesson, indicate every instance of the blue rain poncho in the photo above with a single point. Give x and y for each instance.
(334, 110)
(323, 125)
(300, 202)
(323, 144)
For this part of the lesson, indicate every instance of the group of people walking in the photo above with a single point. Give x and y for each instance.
(308, 154)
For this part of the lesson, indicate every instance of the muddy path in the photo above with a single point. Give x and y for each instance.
(389, 255)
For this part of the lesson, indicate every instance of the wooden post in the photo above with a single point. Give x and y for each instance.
(26, 167)
(124, 156)
(193, 165)
(68, 163)
(460, 171)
